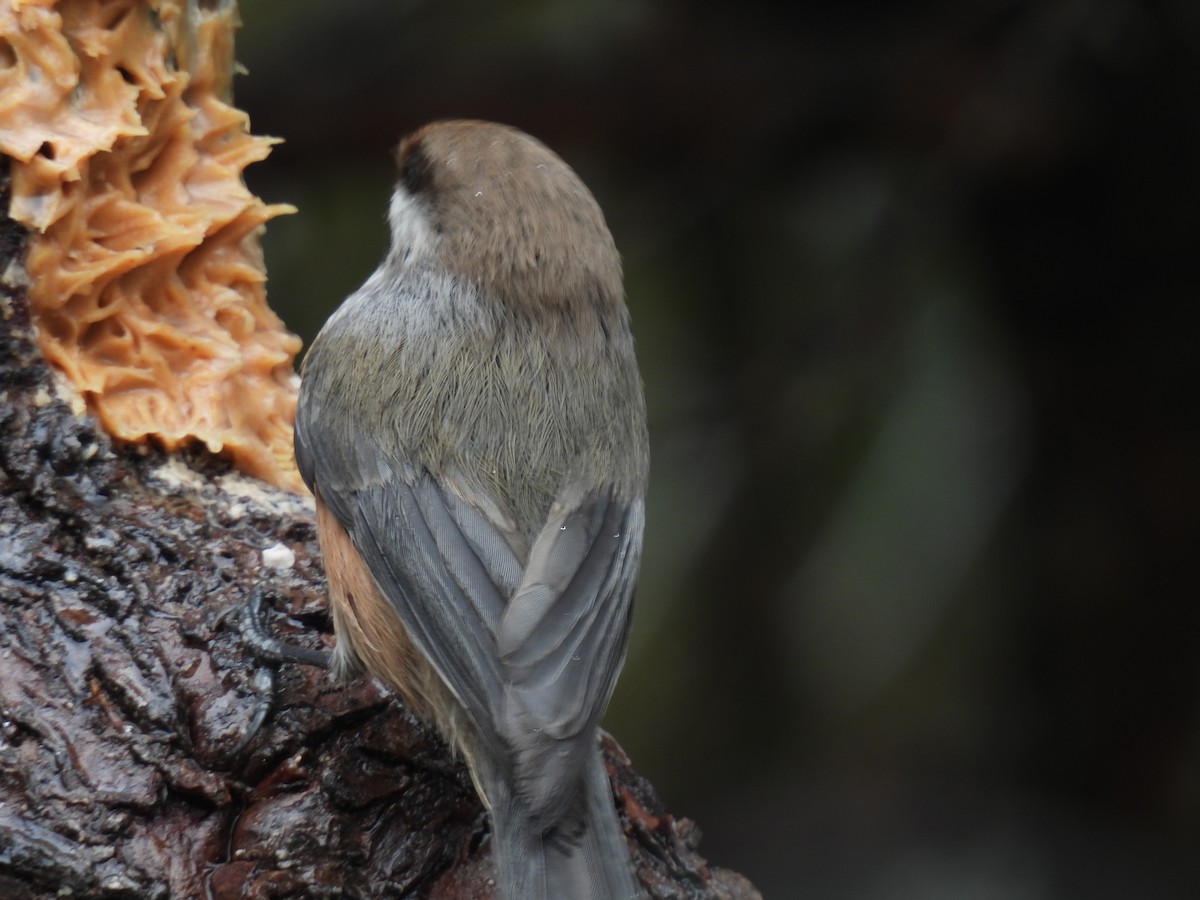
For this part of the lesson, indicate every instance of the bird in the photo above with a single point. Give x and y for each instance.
(472, 424)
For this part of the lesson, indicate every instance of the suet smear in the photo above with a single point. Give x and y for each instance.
(146, 276)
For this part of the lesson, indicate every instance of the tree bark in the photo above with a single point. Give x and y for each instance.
(127, 691)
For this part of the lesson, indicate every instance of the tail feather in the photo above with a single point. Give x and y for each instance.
(583, 857)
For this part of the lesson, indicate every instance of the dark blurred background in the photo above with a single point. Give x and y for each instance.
(915, 291)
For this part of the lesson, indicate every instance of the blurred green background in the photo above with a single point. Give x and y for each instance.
(915, 294)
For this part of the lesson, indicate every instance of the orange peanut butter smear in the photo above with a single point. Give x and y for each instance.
(146, 274)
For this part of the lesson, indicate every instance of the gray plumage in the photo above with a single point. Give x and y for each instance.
(473, 419)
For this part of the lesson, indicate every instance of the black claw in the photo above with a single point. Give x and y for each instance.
(257, 635)
(264, 686)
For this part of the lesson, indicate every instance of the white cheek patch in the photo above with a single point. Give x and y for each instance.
(411, 293)
(412, 238)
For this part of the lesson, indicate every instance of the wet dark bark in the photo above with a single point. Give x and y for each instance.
(126, 692)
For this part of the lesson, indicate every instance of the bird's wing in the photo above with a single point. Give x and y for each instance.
(562, 642)
(531, 651)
